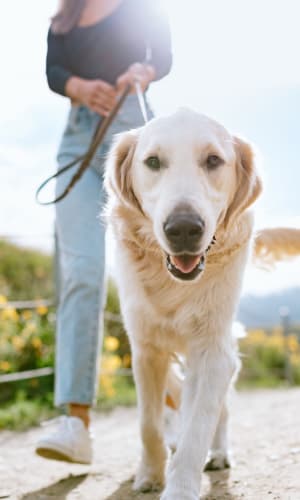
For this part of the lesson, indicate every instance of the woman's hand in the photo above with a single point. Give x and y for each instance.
(97, 95)
(143, 73)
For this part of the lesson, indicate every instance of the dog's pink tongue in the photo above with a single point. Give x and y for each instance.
(185, 263)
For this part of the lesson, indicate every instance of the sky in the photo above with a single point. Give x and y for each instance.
(235, 60)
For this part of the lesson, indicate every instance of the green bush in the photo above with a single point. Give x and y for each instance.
(265, 355)
(25, 274)
(27, 338)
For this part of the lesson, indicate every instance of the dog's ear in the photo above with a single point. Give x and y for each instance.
(118, 176)
(249, 184)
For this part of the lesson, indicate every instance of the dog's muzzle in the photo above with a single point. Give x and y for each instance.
(183, 231)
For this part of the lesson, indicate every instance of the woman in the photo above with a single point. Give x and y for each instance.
(95, 49)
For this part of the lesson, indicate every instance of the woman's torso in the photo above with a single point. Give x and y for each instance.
(107, 48)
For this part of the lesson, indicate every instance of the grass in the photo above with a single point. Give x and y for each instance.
(20, 414)
(23, 413)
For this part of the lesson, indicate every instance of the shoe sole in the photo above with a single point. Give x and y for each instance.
(56, 455)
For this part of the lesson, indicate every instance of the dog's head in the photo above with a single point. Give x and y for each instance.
(188, 175)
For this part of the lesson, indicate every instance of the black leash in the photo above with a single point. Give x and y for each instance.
(86, 158)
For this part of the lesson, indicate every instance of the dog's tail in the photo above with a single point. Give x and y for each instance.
(276, 244)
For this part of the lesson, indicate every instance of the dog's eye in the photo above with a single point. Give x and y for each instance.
(153, 162)
(214, 161)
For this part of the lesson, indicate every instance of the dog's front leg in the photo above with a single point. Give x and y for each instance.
(150, 367)
(209, 371)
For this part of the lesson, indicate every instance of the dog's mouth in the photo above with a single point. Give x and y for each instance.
(185, 266)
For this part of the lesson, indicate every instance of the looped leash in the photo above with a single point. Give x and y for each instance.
(96, 141)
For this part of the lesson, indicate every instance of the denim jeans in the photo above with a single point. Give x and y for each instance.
(81, 255)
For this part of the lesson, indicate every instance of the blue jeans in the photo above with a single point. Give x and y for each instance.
(81, 255)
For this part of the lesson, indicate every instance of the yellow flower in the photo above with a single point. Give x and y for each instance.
(18, 343)
(111, 343)
(110, 363)
(126, 360)
(3, 299)
(107, 386)
(36, 342)
(256, 336)
(292, 342)
(10, 314)
(5, 366)
(26, 315)
(42, 310)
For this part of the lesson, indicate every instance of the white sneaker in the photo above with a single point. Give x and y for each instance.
(70, 441)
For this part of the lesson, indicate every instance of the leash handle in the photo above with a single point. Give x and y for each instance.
(57, 174)
(84, 159)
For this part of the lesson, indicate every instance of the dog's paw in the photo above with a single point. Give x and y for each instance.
(148, 479)
(217, 460)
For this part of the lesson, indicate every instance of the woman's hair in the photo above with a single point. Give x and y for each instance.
(67, 16)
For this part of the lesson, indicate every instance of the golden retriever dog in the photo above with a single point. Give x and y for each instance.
(180, 189)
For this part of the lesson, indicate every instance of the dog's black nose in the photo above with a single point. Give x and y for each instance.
(184, 231)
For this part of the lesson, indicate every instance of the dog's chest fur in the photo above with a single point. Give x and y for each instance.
(175, 308)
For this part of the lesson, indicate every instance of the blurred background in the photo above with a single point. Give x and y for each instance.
(235, 61)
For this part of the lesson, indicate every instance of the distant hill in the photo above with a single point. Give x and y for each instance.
(264, 311)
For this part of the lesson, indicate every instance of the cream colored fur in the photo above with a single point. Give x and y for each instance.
(275, 244)
(163, 315)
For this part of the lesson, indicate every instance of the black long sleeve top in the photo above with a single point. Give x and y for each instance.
(136, 31)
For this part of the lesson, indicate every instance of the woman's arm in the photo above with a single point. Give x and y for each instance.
(57, 74)
(98, 95)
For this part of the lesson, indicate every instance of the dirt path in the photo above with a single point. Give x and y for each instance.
(266, 443)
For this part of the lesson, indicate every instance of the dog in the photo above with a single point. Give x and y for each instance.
(180, 191)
